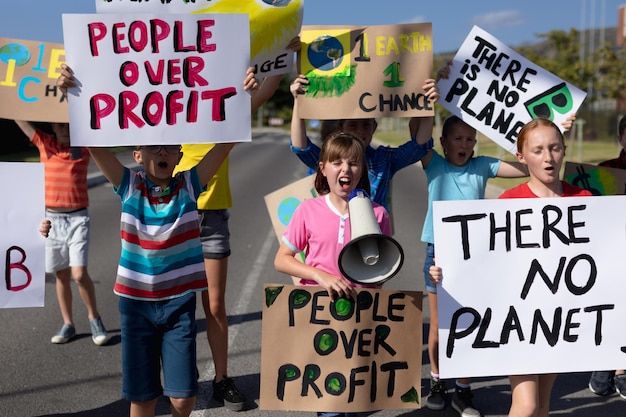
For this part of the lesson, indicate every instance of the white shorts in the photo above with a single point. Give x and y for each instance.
(68, 241)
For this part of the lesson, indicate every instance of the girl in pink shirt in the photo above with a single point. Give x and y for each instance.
(321, 226)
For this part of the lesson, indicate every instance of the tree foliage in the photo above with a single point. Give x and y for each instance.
(611, 71)
(603, 73)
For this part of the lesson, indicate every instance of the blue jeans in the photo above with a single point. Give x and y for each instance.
(155, 334)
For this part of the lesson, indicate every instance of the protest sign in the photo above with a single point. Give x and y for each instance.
(283, 202)
(28, 76)
(496, 90)
(272, 24)
(22, 245)
(599, 180)
(342, 355)
(157, 79)
(531, 285)
(365, 71)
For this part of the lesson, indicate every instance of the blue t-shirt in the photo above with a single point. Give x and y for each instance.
(382, 163)
(449, 182)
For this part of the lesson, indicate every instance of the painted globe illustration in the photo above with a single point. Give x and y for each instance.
(286, 209)
(325, 53)
(15, 51)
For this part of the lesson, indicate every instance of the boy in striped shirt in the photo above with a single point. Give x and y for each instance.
(161, 267)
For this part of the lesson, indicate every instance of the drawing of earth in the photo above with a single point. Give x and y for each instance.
(325, 53)
(15, 51)
(286, 209)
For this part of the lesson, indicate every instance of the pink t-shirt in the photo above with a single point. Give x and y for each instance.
(320, 230)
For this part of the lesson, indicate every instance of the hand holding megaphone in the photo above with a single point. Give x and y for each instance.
(370, 257)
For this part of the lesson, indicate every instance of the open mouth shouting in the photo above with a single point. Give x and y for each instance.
(345, 182)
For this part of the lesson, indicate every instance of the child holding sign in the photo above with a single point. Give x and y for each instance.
(458, 175)
(68, 243)
(540, 147)
(161, 268)
(321, 225)
(606, 382)
(382, 162)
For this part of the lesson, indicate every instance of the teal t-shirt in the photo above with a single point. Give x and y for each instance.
(449, 182)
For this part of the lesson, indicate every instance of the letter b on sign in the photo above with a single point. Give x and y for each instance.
(10, 267)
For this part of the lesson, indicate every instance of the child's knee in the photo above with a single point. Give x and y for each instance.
(184, 406)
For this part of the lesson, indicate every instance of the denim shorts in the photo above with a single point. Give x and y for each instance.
(68, 241)
(428, 262)
(155, 334)
(214, 233)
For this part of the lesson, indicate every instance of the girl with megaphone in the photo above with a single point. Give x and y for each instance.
(321, 226)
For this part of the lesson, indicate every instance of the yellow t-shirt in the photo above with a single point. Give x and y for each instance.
(217, 196)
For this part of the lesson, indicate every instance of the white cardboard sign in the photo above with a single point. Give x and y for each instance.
(531, 285)
(272, 24)
(158, 79)
(496, 90)
(23, 248)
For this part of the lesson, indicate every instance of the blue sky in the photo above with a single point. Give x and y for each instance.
(513, 22)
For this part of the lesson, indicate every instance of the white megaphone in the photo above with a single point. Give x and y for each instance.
(370, 257)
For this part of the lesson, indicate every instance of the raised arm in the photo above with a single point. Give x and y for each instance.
(512, 170)
(66, 79)
(108, 163)
(27, 128)
(569, 122)
(298, 125)
(265, 91)
(210, 163)
(421, 128)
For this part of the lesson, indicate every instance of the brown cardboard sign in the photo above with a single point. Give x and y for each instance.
(342, 355)
(599, 180)
(28, 76)
(366, 71)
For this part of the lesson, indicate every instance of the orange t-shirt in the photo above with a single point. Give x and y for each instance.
(65, 172)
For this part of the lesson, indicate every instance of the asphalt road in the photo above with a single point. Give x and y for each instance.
(80, 379)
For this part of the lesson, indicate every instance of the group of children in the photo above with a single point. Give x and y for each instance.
(163, 262)
(457, 175)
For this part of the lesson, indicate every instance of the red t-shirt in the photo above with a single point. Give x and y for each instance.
(524, 191)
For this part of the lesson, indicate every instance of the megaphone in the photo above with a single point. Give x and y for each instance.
(370, 257)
